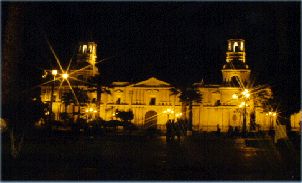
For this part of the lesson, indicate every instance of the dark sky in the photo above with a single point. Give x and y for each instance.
(179, 42)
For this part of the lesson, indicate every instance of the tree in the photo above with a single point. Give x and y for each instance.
(187, 96)
(81, 94)
(262, 97)
(81, 98)
(67, 99)
(17, 107)
(21, 115)
(176, 92)
(97, 82)
(125, 116)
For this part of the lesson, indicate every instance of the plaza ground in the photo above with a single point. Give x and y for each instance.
(122, 157)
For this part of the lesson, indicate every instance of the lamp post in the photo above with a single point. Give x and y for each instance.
(245, 96)
(89, 113)
(178, 115)
(243, 105)
(168, 112)
(53, 73)
(65, 75)
(114, 115)
(271, 115)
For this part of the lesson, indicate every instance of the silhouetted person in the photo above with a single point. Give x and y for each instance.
(172, 130)
(271, 132)
(177, 129)
(236, 131)
(218, 130)
(230, 131)
(168, 130)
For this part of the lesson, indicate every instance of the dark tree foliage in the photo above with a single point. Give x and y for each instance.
(13, 54)
(67, 99)
(97, 82)
(81, 95)
(190, 95)
(187, 96)
(125, 115)
(22, 113)
(16, 100)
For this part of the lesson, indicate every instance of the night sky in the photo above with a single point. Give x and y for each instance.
(178, 42)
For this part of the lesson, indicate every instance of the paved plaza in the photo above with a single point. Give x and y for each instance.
(119, 157)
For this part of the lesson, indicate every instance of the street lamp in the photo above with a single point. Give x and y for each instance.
(89, 112)
(245, 95)
(178, 115)
(271, 115)
(114, 115)
(243, 105)
(65, 75)
(54, 74)
(168, 112)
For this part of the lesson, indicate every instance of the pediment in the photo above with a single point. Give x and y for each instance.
(152, 82)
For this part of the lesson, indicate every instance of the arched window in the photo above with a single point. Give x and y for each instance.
(235, 47)
(84, 48)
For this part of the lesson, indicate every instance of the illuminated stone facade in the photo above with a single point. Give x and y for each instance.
(221, 103)
(150, 99)
(295, 121)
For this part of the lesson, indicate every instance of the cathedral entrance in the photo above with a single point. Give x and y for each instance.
(150, 119)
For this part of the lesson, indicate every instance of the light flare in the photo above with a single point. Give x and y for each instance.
(54, 54)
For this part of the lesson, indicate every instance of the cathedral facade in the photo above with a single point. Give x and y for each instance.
(234, 102)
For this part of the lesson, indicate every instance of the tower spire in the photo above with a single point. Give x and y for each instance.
(87, 55)
(236, 72)
(236, 50)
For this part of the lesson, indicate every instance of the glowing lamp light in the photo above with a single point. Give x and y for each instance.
(169, 111)
(65, 76)
(234, 96)
(178, 114)
(245, 92)
(242, 104)
(271, 113)
(54, 72)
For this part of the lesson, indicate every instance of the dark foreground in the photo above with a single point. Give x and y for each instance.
(113, 157)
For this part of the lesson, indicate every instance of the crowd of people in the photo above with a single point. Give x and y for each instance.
(175, 130)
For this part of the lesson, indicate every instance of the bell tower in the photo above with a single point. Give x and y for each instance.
(235, 71)
(87, 56)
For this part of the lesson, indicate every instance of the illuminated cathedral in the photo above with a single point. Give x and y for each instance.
(234, 102)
